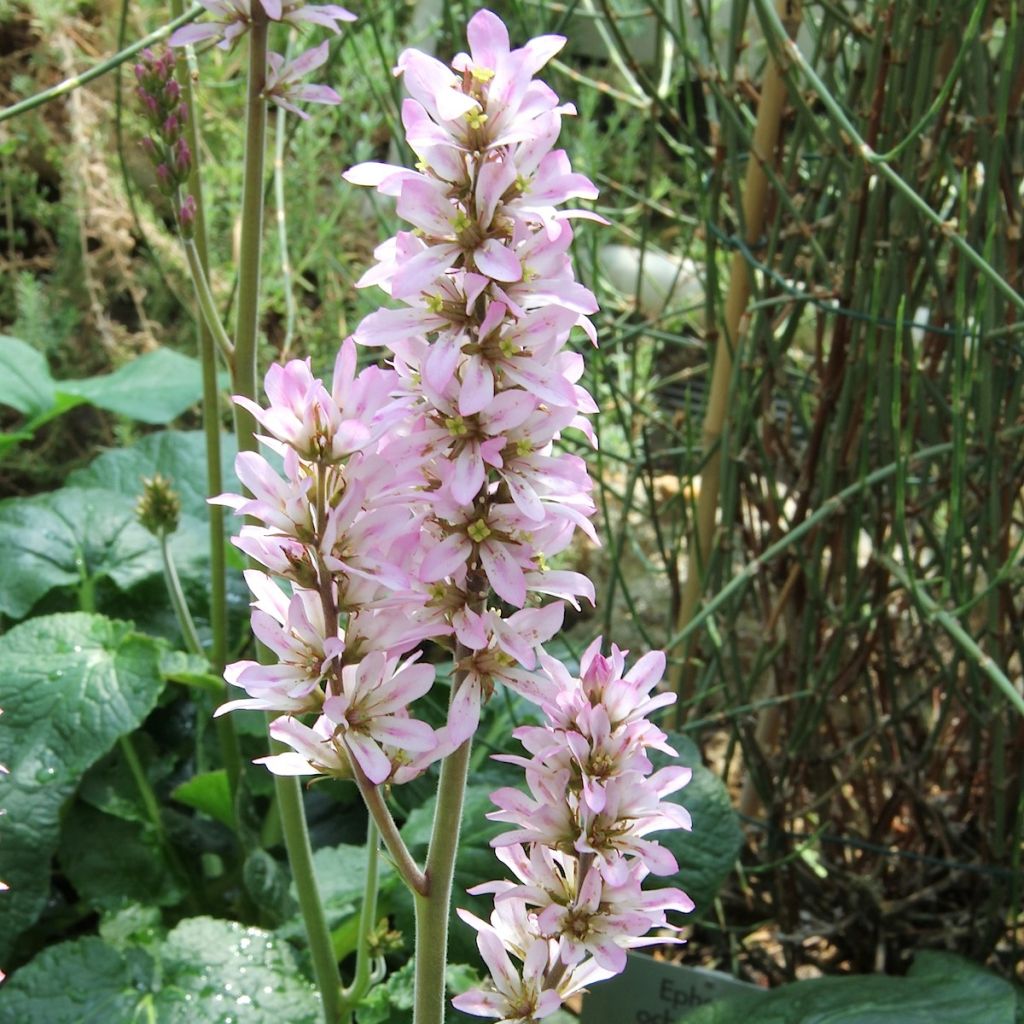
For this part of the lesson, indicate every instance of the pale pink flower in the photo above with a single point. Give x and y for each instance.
(518, 995)
(230, 19)
(370, 710)
(284, 82)
(314, 750)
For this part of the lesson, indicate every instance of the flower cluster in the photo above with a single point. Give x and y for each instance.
(579, 849)
(427, 502)
(230, 19)
(479, 342)
(160, 97)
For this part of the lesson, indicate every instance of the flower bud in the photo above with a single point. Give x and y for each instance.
(187, 216)
(159, 507)
(164, 179)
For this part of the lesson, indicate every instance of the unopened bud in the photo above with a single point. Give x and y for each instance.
(169, 129)
(172, 91)
(187, 216)
(182, 157)
(159, 507)
(149, 147)
(164, 179)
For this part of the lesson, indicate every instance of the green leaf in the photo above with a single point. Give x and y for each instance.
(341, 874)
(178, 455)
(28, 386)
(210, 793)
(71, 685)
(112, 862)
(940, 989)
(98, 983)
(66, 537)
(154, 388)
(267, 882)
(218, 969)
(707, 854)
(209, 972)
(391, 1001)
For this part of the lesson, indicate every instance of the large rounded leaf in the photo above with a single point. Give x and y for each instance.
(79, 534)
(70, 686)
(206, 972)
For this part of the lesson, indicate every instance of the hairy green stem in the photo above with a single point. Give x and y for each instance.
(208, 339)
(178, 602)
(433, 906)
(300, 856)
(413, 877)
(286, 789)
(361, 983)
(70, 84)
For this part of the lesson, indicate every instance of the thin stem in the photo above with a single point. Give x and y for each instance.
(207, 305)
(406, 867)
(829, 507)
(290, 308)
(178, 602)
(250, 247)
(300, 857)
(152, 808)
(226, 735)
(755, 203)
(286, 789)
(363, 979)
(70, 84)
(934, 613)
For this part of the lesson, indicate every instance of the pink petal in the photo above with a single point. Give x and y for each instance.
(504, 572)
(497, 261)
(445, 558)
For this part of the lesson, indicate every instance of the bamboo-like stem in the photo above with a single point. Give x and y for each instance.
(286, 789)
(76, 81)
(755, 196)
(433, 907)
(934, 613)
(209, 336)
(778, 35)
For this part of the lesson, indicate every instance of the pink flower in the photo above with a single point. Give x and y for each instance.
(233, 18)
(518, 995)
(284, 85)
(295, 630)
(370, 710)
(314, 750)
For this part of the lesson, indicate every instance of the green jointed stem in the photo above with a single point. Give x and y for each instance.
(70, 84)
(286, 789)
(932, 611)
(178, 602)
(778, 37)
